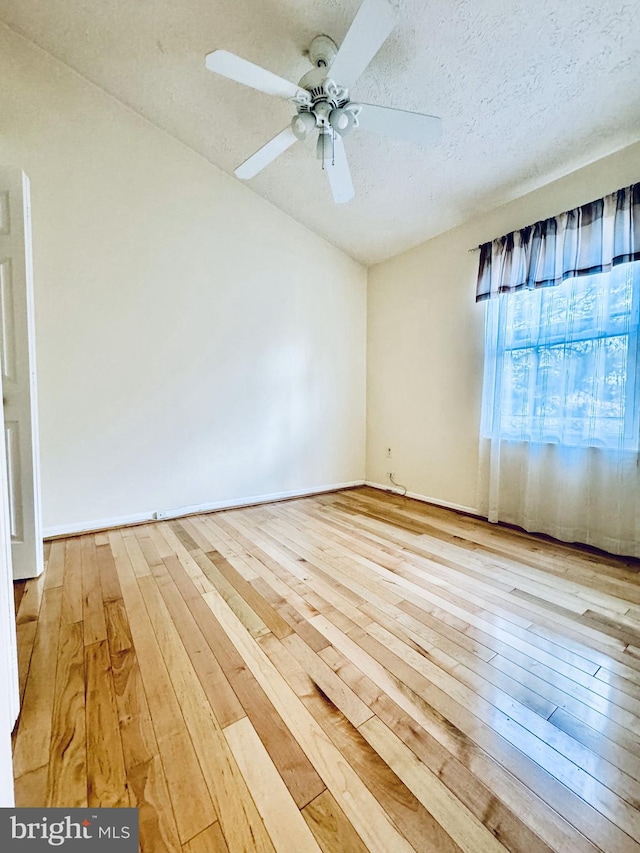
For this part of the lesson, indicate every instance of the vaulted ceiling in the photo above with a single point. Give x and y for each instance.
(526, 92)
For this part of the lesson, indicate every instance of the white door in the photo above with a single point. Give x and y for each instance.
(17, 356)
(9, 691)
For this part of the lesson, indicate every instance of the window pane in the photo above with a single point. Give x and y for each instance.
(565, 370)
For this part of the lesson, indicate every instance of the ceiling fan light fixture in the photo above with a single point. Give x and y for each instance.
(302, 124)
(341, 120)
(322, 100)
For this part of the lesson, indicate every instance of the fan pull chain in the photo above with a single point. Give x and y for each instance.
(323, 143)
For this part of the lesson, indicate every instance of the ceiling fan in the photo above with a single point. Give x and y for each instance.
(322, 98)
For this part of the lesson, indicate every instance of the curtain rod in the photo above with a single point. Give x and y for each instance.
(630, 188)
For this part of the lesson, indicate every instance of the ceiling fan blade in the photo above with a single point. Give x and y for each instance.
(337, 169)
(267, 154)
(415, 127)
(369, 30)
(242, 71)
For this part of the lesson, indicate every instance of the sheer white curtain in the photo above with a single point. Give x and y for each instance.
(560, 435)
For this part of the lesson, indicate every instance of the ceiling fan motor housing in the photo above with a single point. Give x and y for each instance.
(328, 103)
(322, 51)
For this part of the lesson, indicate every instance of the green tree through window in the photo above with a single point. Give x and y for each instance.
(566, 362)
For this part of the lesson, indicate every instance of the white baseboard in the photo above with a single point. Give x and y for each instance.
(179, 512)
(470, 510)
(97, 524)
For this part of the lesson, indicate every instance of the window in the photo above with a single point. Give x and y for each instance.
(562, 362)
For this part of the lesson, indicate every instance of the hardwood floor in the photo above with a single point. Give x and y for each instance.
(349, 672)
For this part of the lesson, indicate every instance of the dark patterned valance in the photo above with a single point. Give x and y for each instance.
(587, 240)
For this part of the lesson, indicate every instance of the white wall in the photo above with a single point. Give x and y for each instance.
(425, 341)
(195, 345)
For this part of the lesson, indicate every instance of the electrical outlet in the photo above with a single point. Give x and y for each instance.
(390, 474)
(388, 453)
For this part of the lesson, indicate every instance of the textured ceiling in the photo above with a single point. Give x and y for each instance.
(526, 91)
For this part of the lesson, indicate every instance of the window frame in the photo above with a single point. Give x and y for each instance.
(496, 351)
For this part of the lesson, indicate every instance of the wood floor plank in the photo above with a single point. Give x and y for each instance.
(534, 603)
(410, 816)
(299, 775)
(138, 561)
(533, 734)
(561, 661)
(338, 693)
(185, 557)
(31, 788)
(627, 685)
(228, 789)
(189, 794)
(31, 599)
(240, 606)
(476, 674)
(27, 614)
(142, 757)
(528, 660)
(583, 707)
(331, 827)
(616, 809)
(267, 614)
(349, 671)
(224, 702)
(341, 567)
(556, 625)
(148, 793)
(525, 768)
(281, 579)
(67, 776)
(181, 531)
(465, 829)
(106, 777)
(369, 820)
(597, 742)
(93, 617)
(230, 800)
(497, 798)
(413, 532)
(117, 626)
(192, 525)
(162, 547)
(109, 583)
(72, 605)
(33, 733)
(278, 810)
(528, 549)
(147, 784)
(210, 840)
(148, 547)
(25, 639)
(55, 564)
(138, 735)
